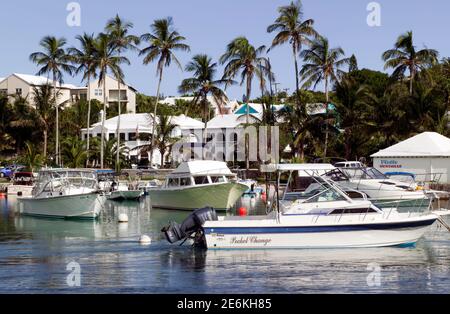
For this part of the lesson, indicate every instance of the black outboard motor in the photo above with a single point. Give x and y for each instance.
(176, 232)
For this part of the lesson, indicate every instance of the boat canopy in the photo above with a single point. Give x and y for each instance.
(201, 167)
(297, 167)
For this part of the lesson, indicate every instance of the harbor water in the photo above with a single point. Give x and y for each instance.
(41, 255)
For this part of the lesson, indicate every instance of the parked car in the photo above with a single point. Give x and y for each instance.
(8, 171)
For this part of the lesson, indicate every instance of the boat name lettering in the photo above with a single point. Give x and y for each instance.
(250, 239)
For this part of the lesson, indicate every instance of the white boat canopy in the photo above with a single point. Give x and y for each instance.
(201, 167)
(297, 167)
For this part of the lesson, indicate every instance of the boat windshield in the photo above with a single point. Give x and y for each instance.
(363, 173)
(56, 179)
(320, 191)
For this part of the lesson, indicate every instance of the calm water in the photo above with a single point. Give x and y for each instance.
(34, 254)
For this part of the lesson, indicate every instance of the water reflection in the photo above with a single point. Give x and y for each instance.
(34, 254)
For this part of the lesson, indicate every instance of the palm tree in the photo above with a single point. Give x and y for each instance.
(121, 40)
(203, 83)
(44, 102)
(106, 60)
(85, 59)
(55, 61)
(405, 57)
(243, 58)
(163, 42)
(74, 152)
(164, 139)
(293, 29)
(322, 63)
(31, 158)
(353, 108)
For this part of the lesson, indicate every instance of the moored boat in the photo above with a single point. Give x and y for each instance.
(196, 184)
(22, 184)
(64, 193)
(323, 218)
(124, 191)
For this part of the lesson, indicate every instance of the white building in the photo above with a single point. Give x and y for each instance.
(427, 155)
(24, 84)
(226, 108)
(135, 127)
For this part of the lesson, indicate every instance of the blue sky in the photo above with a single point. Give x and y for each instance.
(209, 25)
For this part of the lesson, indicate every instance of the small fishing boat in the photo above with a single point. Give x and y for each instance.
(64, 193)
(145, 186)
(124, 191)
(196, 184)
(22, 184)
(323, 218)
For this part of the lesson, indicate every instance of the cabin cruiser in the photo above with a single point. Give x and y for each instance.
(323, 218)
(196, 184)
(64, 193)
(22, 184)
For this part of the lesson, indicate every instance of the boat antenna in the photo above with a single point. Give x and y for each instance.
(277, 188)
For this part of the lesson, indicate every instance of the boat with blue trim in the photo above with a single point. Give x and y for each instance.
(325, 217)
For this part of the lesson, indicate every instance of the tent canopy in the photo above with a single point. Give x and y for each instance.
(427, 144)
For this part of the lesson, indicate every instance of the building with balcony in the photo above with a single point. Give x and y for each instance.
(23, 85)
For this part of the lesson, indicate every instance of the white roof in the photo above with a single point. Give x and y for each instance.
(427, 144)
(142, 122)
(297, 167)
(231, 120)
(202, 167)
(1, 79)
(40, 80)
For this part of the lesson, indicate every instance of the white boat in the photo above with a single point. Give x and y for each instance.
(196, 184)
(22, 184)
(145, 186)
(324, 218)
(376, 186)
(64, 193)
(125, 191)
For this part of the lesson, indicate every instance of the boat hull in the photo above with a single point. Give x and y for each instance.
(125, 195)
(219, 196)
(82, 206)
(273, 235)
(20, 190)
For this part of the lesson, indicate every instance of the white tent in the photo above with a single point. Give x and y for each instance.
(427, 155)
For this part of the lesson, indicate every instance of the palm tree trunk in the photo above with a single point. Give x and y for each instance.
(247, 146)
(102, 141)
(411, 81)
(118, 130)
(297, 83)
(88, 119)
(154, 116)
(162, 158)
(57, 121)
(326, 117)
(205, 116)
(45, 143)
